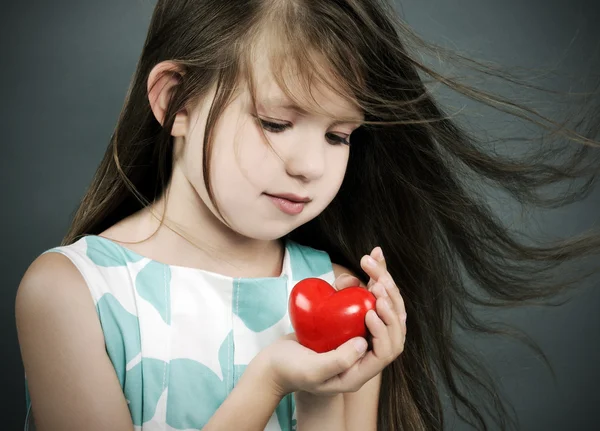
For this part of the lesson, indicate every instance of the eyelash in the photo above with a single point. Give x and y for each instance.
(278, 128)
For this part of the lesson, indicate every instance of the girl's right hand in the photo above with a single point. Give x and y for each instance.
(293, 367)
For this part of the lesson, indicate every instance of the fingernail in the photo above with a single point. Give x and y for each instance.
(360, 345)
(378, 253)
(371, 262)
(404, 318)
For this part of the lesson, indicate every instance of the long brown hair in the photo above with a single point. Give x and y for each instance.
(413, 183)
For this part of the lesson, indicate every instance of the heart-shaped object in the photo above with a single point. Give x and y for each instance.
(325, 318)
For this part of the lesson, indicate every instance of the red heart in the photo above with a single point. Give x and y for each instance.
(325, 318)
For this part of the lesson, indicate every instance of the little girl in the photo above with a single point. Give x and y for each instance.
(261, 143)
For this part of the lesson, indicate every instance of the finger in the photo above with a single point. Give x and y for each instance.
(396, 329)
(385, 311)
(368, 366)
(332, 363)
(386, 278)
(383, 351)
(391, 289)
(382, 297)
(345, 280)
(395, 319)
(377, 255)
(371, 364)
(350, 380)
(363, 371)
(376, 326)
(394, 293)
(380, 291)
(373, 268)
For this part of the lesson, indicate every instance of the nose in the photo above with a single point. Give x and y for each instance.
(307, 159)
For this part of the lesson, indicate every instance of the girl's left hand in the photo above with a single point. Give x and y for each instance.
(387, 326)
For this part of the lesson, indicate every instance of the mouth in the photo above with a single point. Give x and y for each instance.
(290, 197)
(288, 203)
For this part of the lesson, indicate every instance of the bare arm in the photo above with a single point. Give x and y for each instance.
(251, 403)
(351, 411)
(72, 382)
(324, 413)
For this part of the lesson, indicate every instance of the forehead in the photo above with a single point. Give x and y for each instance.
(316, 97)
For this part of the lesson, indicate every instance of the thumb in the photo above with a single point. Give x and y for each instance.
(339, 360)
(345, 280)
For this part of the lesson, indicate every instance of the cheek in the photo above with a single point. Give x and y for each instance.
(329, 185)
(337, 164)
(253, 155)
(250, 160)
(242, 168)
(191, 160)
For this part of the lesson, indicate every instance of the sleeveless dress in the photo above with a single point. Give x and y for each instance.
(179, 338)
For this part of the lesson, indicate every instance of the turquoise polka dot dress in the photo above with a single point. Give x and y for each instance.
(180, 338)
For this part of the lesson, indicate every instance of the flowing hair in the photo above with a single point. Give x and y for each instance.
(414, 183)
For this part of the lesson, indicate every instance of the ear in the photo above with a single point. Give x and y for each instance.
(162, 81)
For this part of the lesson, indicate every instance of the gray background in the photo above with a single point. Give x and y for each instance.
(66, 66)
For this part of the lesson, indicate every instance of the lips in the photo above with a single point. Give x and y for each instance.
(287, 203)
(291, 197)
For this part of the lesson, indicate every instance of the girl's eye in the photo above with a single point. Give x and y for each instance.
(337, 139)
(273, 127)
(278, 128)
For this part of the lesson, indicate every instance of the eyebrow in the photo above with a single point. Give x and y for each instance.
(287, 105)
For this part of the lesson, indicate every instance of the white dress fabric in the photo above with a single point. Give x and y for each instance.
(180, 338)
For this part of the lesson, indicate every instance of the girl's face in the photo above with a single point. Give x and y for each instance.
(307, 161)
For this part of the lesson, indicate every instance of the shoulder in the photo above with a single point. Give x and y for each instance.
(53, 299)
(53, 287)
(51, 273)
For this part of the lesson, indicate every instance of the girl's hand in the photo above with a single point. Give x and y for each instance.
(295, 368)
(390, 305)
(387, 326)
(291, 367)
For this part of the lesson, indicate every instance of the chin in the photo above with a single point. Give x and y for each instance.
(268, 231)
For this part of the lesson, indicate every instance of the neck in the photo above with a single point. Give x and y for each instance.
(203, 241)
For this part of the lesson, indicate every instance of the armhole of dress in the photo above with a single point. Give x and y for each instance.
(74, 257)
